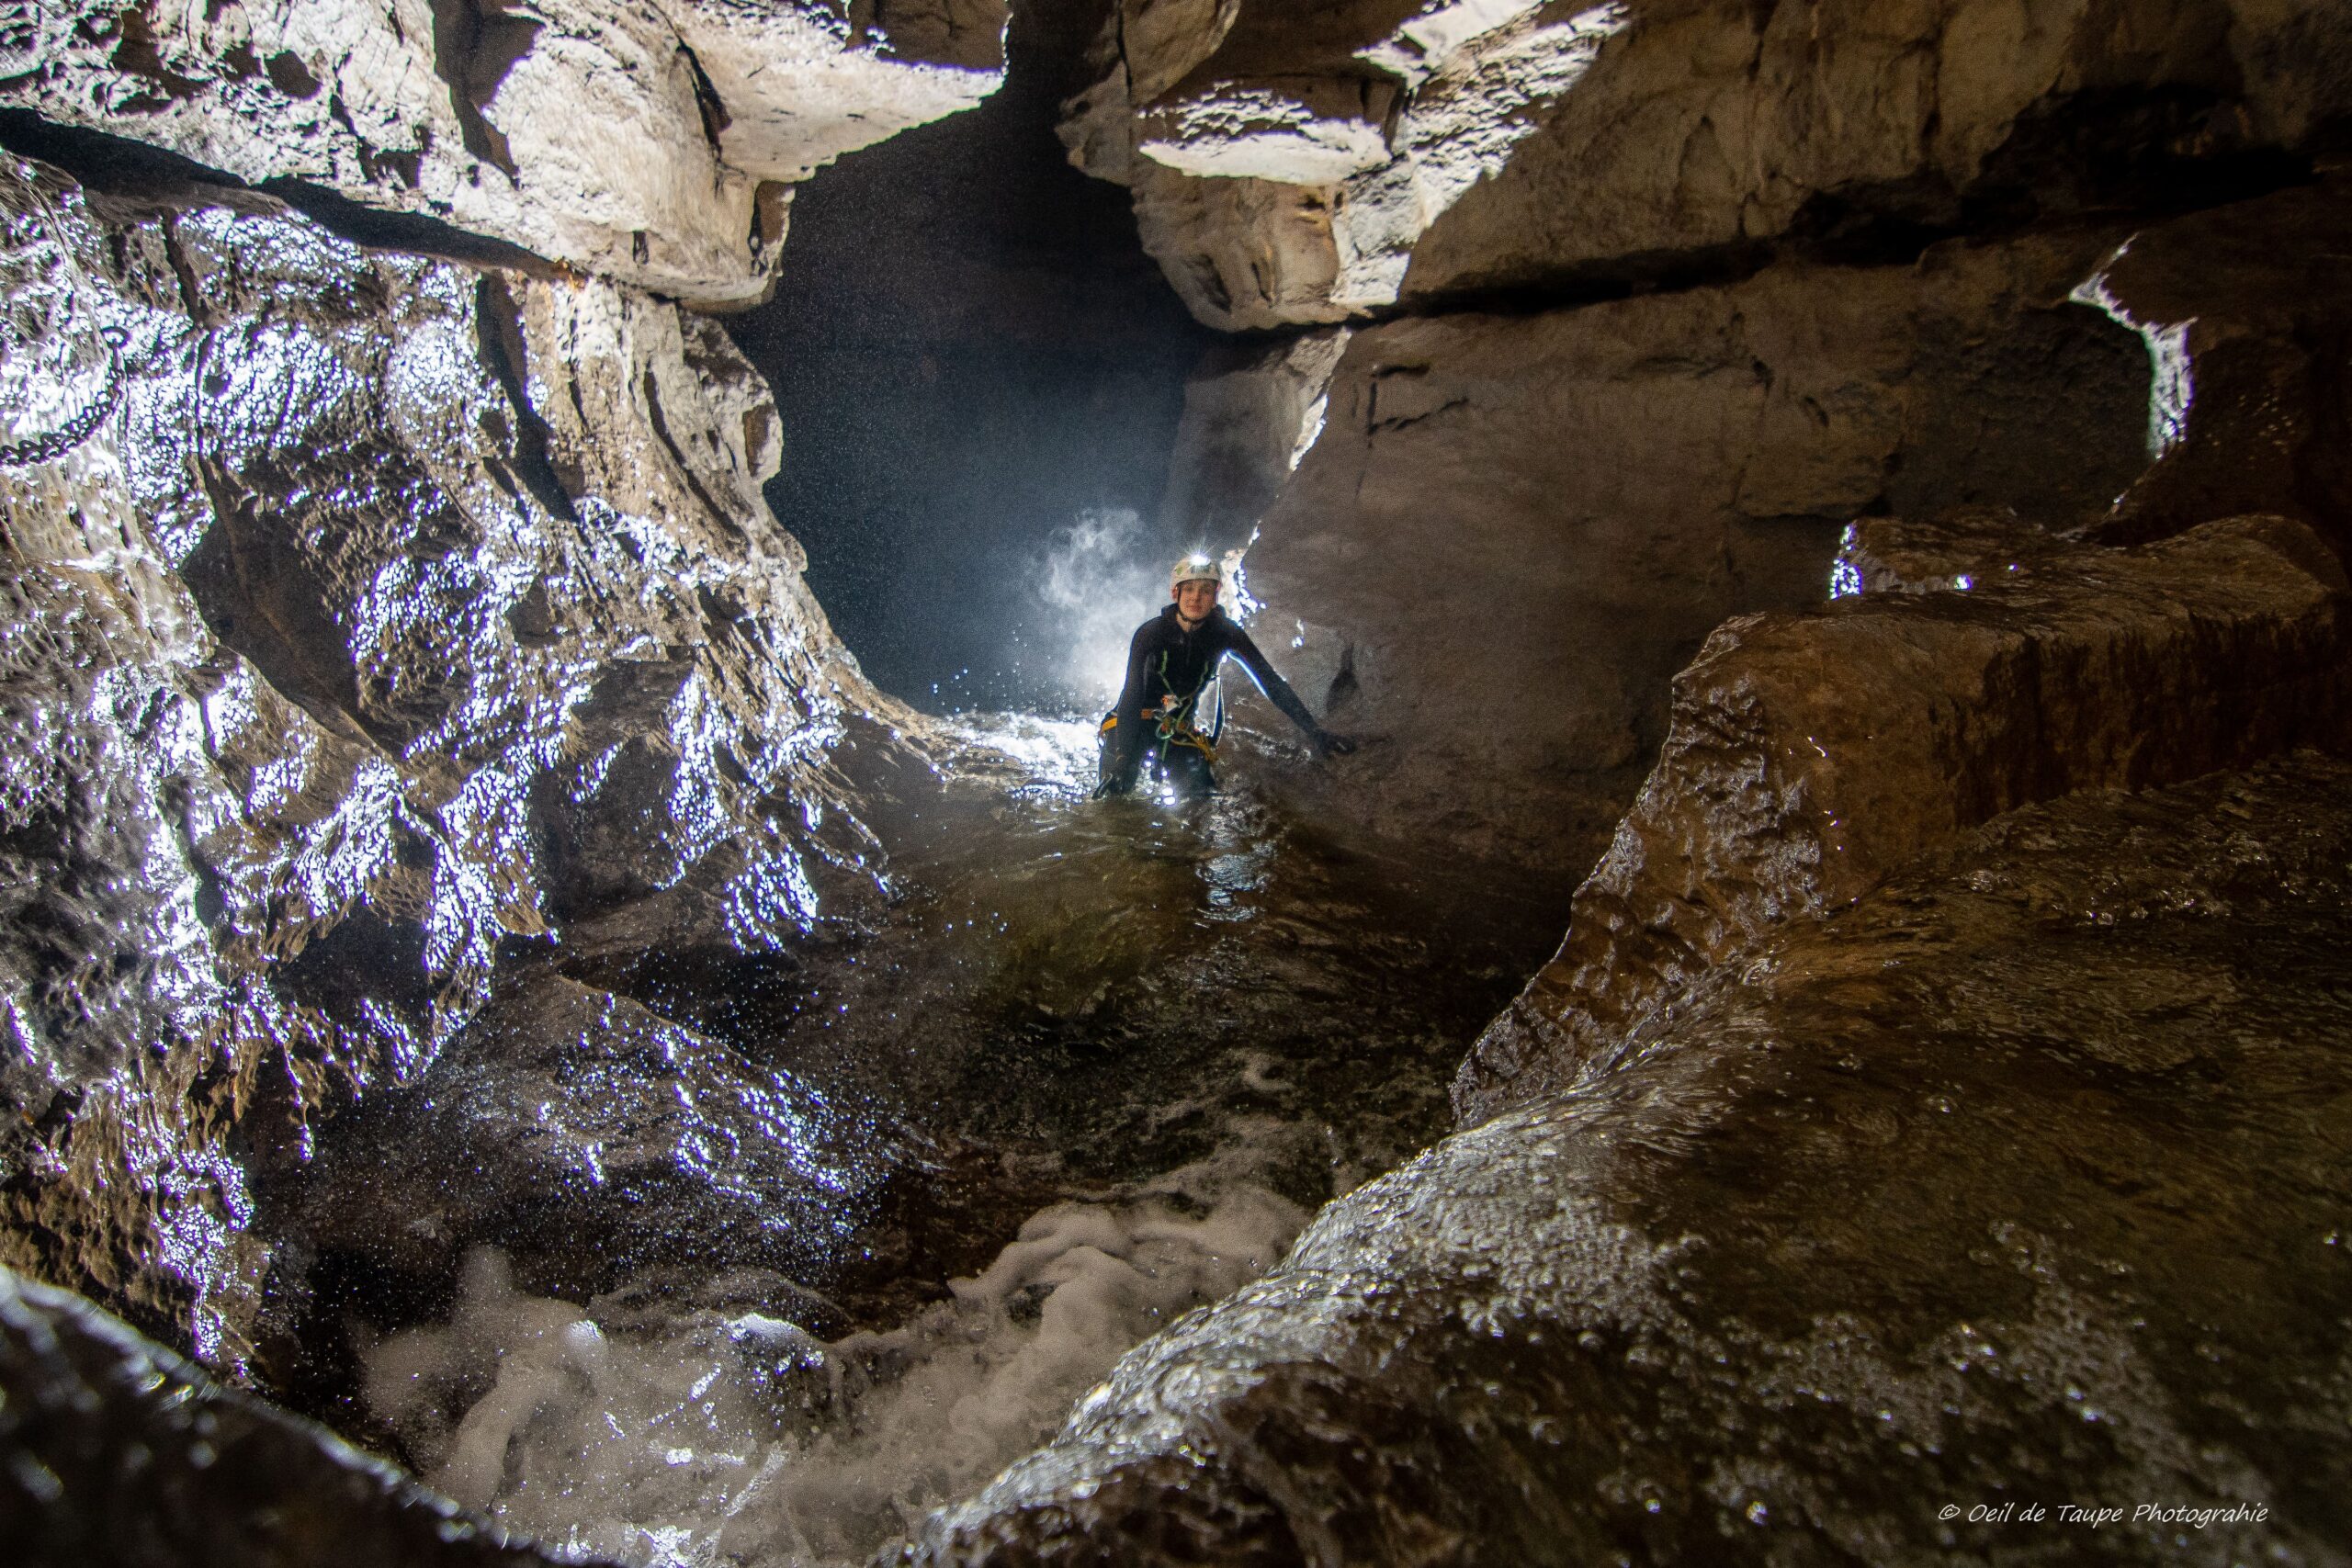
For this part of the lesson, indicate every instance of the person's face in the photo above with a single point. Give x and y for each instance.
(1195, 599)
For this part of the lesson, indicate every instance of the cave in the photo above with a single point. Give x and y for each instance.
(1745, 963)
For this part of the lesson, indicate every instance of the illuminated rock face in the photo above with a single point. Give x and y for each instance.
(1913, 1214)
(651, 143)
(401, 612)
(593, 1141)
(1293, 169)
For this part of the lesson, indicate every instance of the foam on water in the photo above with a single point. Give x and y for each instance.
(698, 1435)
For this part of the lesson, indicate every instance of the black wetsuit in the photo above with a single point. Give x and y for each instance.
(1166, 660)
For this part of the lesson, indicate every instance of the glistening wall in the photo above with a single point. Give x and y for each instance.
(398, 617)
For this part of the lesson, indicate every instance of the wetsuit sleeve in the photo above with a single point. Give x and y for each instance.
(1131, 695)
(1277, 690)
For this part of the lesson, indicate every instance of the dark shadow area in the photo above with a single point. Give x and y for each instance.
(971, 355)
(118, 166)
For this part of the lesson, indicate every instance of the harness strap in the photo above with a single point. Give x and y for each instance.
(1172, 732)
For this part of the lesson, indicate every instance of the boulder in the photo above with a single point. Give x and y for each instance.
(113, 1451)
(591, 1141)
(1812, 755)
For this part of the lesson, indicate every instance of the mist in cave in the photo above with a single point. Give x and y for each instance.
(979, 373)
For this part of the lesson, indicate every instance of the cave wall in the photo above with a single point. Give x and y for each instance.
(653, 144)
(1513, 529)
(403, 618)
(1294, 168)
(1652, 300)
(395, 597)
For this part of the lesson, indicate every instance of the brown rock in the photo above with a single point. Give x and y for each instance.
(1812, 755)
(2248, 314)
(113, 1451)
(1975, 547)
(2015, 1179)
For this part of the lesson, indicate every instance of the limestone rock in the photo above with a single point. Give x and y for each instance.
(1919, 1214)
(397, 613)
(1396, 151)
(1975, 546)
(1709, 124)
(1243, 254)
(1812, 755)
(1251, 414)
(119, 1452)
(652, 142)
(1284, 165)
(1514, 529)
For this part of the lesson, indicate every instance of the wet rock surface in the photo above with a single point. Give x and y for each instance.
(394, 615)
(592, 1140)
(117, 1451)
(1092, 1072)
(2008, 1183)
(1811, 755)
(2244, 313)
(453, 978)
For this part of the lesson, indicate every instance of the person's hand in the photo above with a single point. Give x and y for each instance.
(1329, 745)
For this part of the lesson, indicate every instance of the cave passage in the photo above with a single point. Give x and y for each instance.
(979, 374)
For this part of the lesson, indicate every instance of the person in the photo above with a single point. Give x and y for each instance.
(1170, 663)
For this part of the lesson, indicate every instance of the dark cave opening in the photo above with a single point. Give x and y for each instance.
(979, 373)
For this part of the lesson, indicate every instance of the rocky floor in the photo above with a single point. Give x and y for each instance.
(771, 1257)
(2016, 1182)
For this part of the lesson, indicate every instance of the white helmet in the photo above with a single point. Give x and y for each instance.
(1195, 568)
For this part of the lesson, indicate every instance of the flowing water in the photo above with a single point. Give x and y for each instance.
(1121, 1050)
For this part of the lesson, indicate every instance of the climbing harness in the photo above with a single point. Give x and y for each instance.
(1176, 713)
(1174, 729)
(1174, 723)
(83, 422)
